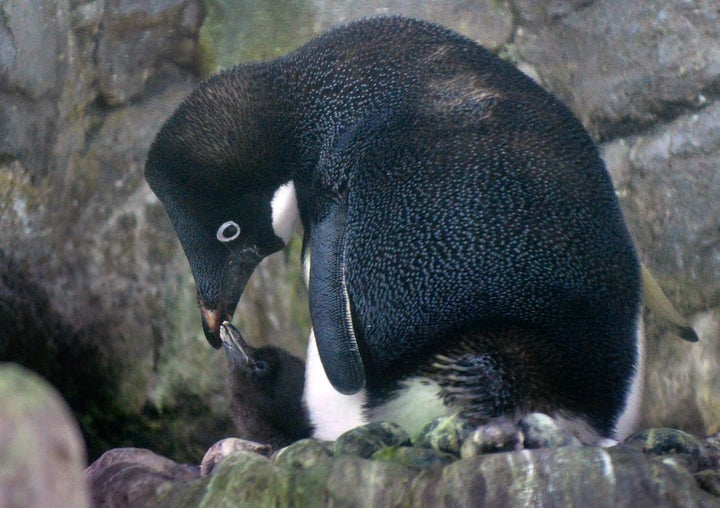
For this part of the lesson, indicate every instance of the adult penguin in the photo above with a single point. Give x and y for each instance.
(466, 248)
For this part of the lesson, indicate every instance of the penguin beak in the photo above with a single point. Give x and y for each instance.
(235, 346)
(234, 278)
(211, 319)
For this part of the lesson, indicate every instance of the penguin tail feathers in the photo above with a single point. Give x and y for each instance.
(656, 301)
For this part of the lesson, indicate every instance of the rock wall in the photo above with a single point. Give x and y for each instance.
(84, 85)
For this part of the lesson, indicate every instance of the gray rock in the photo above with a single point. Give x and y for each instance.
(623, 66)
(352, 481)
(42, 455)
(414, 457)
(548, 11)
(570, 476)
(444, 434)
(217, 452)
(500, 436)
(675, 208)
(302, 454)
(33, 59)
(138, 38)
(82, 224)
(663, 441)
(246, 479)
(33, 67)
(128, 477)
(710, 481)
(368, 439)
(490, 22)
(541, 431)
(669, 188)
(695, 453)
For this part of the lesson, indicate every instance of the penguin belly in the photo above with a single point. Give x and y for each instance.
(330, 412)
(414, 403)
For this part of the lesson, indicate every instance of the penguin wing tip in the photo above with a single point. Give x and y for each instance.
(347, 380)
(344, 370)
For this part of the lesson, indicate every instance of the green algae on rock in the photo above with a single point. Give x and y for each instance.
(444, 434)
(302, 454)
(365, 440)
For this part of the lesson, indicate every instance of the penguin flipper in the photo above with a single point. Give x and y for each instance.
(656, 301)
(330, 304)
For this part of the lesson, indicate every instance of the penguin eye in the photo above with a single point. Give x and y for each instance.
(228, 232)
(262, 368)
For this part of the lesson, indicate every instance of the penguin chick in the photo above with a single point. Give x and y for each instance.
(265, 387)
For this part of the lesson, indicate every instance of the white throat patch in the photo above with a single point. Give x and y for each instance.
(284, 211)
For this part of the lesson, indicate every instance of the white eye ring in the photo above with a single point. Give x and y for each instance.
(228, 232)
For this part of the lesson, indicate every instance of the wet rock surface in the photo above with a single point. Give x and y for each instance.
(540, 431)
(650, 469)
(365, 441)
(133, 476)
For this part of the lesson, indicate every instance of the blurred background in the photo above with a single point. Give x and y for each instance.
(96, 295)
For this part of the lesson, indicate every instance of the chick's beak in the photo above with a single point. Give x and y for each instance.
(235, 346)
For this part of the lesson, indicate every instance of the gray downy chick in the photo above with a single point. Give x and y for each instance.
(266, 387)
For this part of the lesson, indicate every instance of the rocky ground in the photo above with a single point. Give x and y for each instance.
(531, 463)
(450, 463)
(96, 296)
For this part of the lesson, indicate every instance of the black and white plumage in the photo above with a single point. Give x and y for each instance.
(452, 210)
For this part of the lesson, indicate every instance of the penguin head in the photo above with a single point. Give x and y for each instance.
(221, 167)
(261, 365)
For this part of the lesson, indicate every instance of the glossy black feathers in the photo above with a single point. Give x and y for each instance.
(471, 199)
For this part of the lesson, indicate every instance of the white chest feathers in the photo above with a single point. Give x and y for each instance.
(332, 413)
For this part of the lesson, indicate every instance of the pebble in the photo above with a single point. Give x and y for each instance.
(364, 441)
